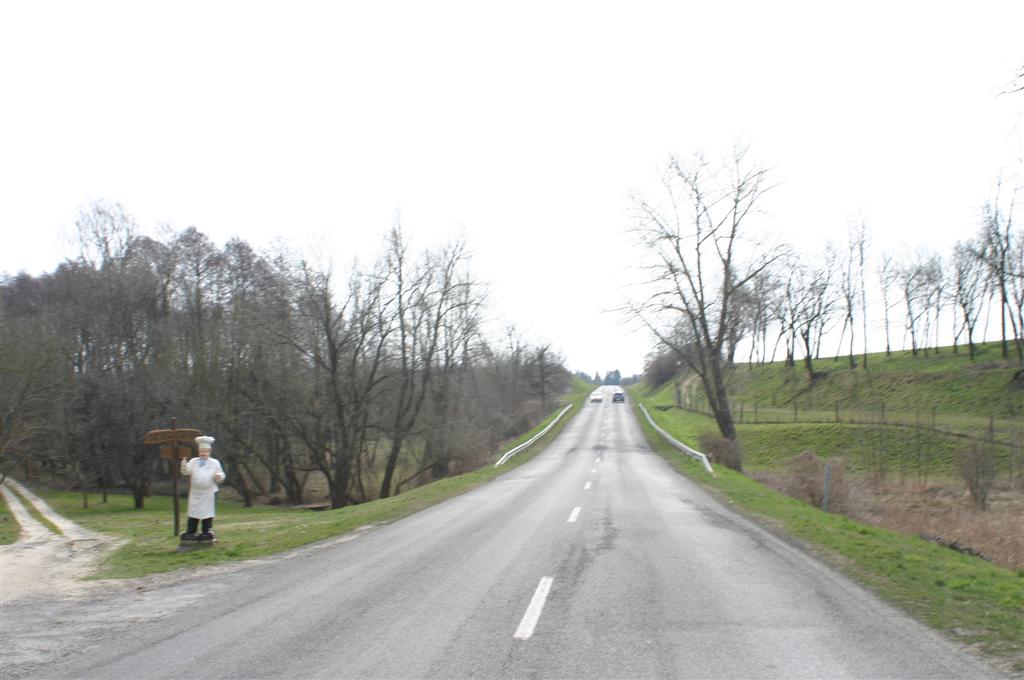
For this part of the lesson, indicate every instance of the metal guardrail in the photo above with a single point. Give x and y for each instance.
(532, 439)
(692, 453)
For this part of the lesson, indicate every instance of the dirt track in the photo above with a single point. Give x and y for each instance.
(49, 611)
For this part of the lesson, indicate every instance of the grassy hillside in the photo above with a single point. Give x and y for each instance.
(913, 415)
(949, 383)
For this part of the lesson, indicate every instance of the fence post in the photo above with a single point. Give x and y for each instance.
(794, 411)
(755, 412)
(741, 411)
(883, 413)
(824, 495)
(837, 411)
(1020, 461)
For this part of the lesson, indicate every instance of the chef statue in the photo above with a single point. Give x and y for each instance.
(205, 474)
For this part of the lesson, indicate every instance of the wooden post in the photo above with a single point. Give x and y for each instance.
(175, 473)
(825, 492)
(168, 441)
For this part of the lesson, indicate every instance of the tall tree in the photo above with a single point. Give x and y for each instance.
(915, 278)
(996, 248)
(888, 272)
(701, 261)
(813, 297)
(968, 286)
(424, 299)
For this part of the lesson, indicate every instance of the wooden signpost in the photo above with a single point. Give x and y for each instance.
(175, 444)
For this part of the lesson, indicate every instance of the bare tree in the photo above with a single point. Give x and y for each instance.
(915, 279)
(887, 274)
(851, 285)
(813, 298)
(451, 432)
(423, 303)
(1017, 84)
(765, 291)
(996, 248)
(935, 300)
(344, 338)
(862, 247)
(701, 261)
(968, 286)
(547, 372)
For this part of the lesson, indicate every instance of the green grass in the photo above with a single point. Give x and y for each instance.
(943, 390)
(246, 533)
(972, 600)
(905, 449)
(9, 528)
(946, 382)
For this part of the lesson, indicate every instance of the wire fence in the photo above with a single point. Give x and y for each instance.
(909, 442)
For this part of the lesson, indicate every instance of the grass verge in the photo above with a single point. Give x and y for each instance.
(974, 602)
(9, 528)
(247, 533)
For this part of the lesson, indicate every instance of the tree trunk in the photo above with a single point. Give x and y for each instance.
(392, 463)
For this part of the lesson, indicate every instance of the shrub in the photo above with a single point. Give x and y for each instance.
(806, 479)
(978, 468)
(724, 451)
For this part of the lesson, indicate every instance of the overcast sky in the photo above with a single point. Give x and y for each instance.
(523, 126)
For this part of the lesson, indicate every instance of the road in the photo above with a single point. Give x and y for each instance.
(594, 560)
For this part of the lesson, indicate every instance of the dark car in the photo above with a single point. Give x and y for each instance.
(619, 397)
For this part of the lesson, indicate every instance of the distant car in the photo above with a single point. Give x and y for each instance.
(619, 397)
(596, 399)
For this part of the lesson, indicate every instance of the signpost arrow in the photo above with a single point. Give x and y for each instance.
(170, 450)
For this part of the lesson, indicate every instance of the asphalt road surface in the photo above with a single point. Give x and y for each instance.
(595, 560)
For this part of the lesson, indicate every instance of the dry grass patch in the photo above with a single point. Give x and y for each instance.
(940, 509)
(945, 509)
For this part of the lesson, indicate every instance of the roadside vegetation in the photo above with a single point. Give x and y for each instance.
(972, 600)
(261, 530)
(321, 384)
(956, 473)
(9, 528)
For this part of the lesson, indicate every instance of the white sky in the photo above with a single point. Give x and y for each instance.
(523, 126)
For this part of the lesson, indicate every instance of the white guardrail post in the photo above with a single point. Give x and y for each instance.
(532, 439)
(692, 453)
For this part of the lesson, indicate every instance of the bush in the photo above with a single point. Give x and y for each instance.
(806, 480)
(721, 450)
(978, 468)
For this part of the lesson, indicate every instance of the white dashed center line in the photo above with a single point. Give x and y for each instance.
(574, 515)
(593, 470)
(586, 487)
(532, 615)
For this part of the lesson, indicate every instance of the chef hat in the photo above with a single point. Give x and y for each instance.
(204, 442)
